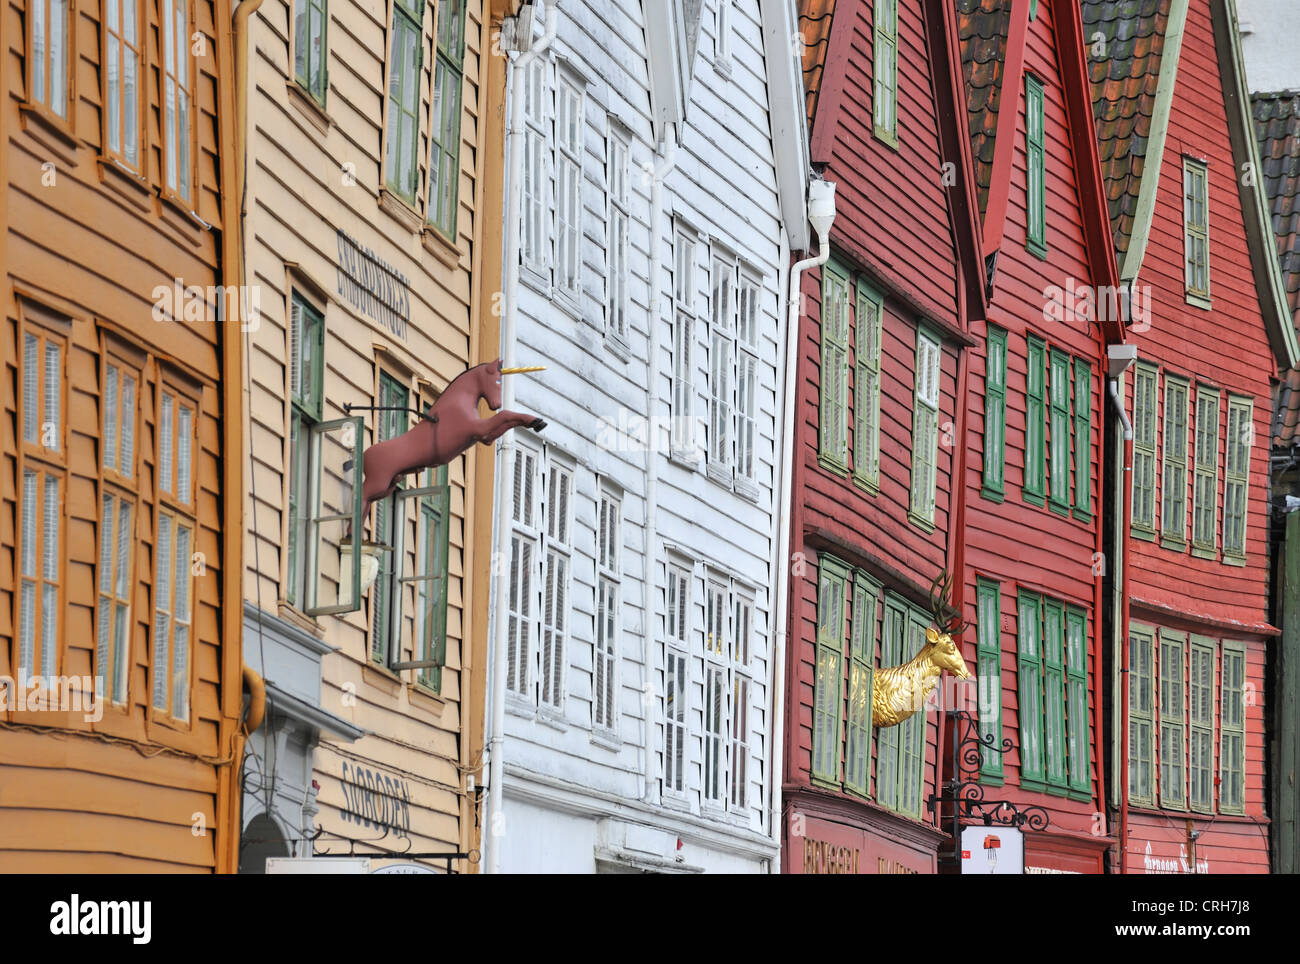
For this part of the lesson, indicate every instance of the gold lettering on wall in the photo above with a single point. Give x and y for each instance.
(820, 857)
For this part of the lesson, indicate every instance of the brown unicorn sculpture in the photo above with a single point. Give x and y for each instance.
(899, 691)
(448, 429)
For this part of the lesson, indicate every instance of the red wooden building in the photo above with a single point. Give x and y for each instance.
(1174, 129)
(1033, 524)
(881, 349)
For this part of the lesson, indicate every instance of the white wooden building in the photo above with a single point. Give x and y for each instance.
(636, 719)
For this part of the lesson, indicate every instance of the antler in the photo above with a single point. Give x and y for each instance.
(940, 603)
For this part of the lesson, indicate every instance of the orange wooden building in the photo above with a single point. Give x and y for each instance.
(119, 452)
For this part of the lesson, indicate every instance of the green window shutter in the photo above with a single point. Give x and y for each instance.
(306, 371)
(835, 369)
(1173, 737)
(388, 516)
(444, 131)
(1141, 644)
(1232, 723)
(862, 651)
(866, 397)
(333, 518)
(435, 519)
(1241, 433)
(1144, 449)
(1035, 200)
(406, 58)
(925, 428)
(1077, 715)
(1200, 717)
(310, 50)
(1196, 232)
(988, 655)
(1173, 526)
(911, 755)
(1082, 439)
(888, 743)
(1029, 665)
(1035, 480)
(995, 411)
(1060, 439)
(1205, 479)
(828, 694)
(885, 71)
(1054, 692)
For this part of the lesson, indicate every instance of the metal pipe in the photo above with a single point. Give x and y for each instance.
(1121, 540)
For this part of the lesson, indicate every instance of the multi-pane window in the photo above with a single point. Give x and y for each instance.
(310, 49)
(117, 538)
(41, 537)
(716, 647)
(1241, 434)
(747, 380)
(828, 687)
(900, 750)
(540, 564)
(124, 73)
(1053, 667)
(1035, 160)
(866, 388)
(178, 69)
(390, 421)
(742, 628)
(1059, 477)
(617, 219)
(432, 575)
(677, 630)
(683, 426)
(835, 368)
(1082, 438)
(988, 654)
(306, 367)
(48, 56)
(1144, 448)
(405, 60)
(1196, 231)
(862, 650)
(534, 247)
(995, 411)
(173, 572)
(444, 129)
(885, 70)
(1205, 479)
(1173, 726)
(1141, 711)
(1200, 718)
(1174, 470)
(925, 428)
(1035, 480)
(721, 364)
(609, 546)
(1232, 723)
(568, 188)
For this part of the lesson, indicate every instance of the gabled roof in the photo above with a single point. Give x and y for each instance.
(1277, 126)
(1125, 84)
(982, 27)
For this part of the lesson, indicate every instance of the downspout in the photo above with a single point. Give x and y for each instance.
(514, 145)
(821, 214)
(1121, 544)
(663, 166)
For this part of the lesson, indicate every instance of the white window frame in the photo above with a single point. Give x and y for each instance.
(605, 703)
(714, 732)
(522, 582)
(925, 434)
(740, 731)
(679, 613)
(534, 219)
(686, 246)
(176, 72)
(722, 37)
(1196, 230)
(723, 289)
(570, 174)
(556, 549)
(618, 223)
(748, 295)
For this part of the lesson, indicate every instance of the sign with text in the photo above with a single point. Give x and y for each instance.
(992, 850)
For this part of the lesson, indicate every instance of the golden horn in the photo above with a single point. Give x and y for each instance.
(520, 371)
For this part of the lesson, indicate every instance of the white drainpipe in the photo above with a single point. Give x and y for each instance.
(501, 615)
(821, 214)
(663, 165)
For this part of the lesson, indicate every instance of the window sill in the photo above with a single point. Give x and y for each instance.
(1037, 250)
(1201, 553)
(54, 133)
(921, 522)
(126, 183)
(566, 302)
(992, 779)
(427, 699)
(1199, 301)
(519, 706)
(295, 616)
(176, 211)
(1083, 515)
(1178, 545)
(1082, 796)
(869, 486)
(993, 495)
(617, 347)
(309, 106)
(1146, 535)
(721, 475)
(722, 66)
(1233, 560)
(746, 489)
(536, 277)
(1033, 498)
(887, 137)
(381, 677)
(399, 210)
(552, 718)
(833, 467)
(691, 463)
(607, 740)
(440, 246)
(1061, 510)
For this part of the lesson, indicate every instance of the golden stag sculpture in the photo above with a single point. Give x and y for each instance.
(899, 691)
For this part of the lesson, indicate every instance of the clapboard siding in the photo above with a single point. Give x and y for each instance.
(1015, 543)
(723, 186)
(91, 253)
(300, 195)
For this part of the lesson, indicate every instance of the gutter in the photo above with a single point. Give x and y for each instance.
(1125, 359)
